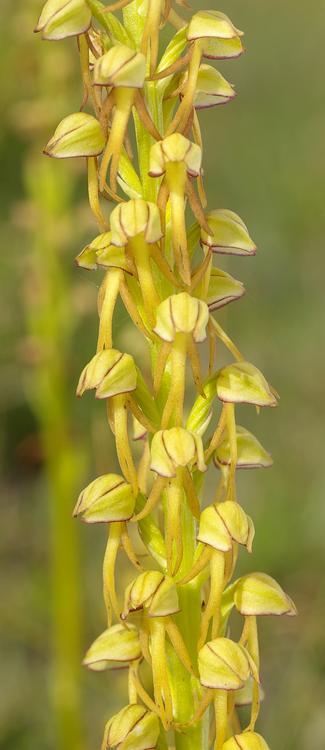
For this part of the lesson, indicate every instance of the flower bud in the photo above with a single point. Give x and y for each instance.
(107, 499)
(79, 134)
(133, 728)
(223, 289)
(259, 594)
(173, 448)
(100, 253)
(63, 18)
(246, 741)
(132, 218)
(243, 383)
(223, 523)
(113, 648)
(211, 88)
(120, 66)
(110, 372)
(154, 592)
(250, 452)
(225, 665)
(175, 148)
(182, 313)
(229, 234)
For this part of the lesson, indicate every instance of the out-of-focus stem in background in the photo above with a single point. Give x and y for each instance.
(49, 321)
(48, 317)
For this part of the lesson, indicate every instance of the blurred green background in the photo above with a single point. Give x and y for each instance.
(264, 158)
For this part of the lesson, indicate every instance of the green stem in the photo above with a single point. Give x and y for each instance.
(134, 22)
(184, 687)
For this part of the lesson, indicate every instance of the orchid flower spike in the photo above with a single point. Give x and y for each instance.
(172, 402)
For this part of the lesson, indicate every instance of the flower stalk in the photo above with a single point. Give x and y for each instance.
(179, 606)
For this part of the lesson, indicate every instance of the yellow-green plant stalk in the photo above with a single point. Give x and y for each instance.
(174, 618)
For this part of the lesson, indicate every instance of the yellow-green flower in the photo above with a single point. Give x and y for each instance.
(116, 647)
(110, 373)
(225, 665)
(133, 728)
(107, 499)
(246, 741)
(79, 134)
(63, 18)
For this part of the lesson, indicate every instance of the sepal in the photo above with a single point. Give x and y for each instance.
(79, 134)
(242, 382)
(250, 452)
(173, 448)
(120, 67)
(133, 728)
(100, 253)
(223, 523)
(246, 741)
(63, 18)
(229, 234)
(135, 217)
(182, 313)
(154, 592)
(211, 88)
(211, 24)
(116, 646)
(225, 665)
(259, 594)
(175, 148)
(223, 289)
(107, 499)
(110, 373)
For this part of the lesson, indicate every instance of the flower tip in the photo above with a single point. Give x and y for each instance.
(48, 147)
(80, 389)
(293, 611)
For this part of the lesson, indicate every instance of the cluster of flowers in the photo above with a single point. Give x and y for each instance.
(176, 611)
